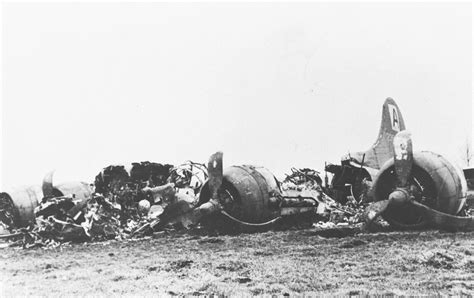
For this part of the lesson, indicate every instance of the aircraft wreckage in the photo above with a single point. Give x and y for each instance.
(247, 198)
(408, 189)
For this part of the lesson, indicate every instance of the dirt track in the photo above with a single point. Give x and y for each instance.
(293, 262)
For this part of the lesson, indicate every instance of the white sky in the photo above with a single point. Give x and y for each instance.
(86, 85)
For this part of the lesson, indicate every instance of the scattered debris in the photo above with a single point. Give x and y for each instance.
(331, 212)
(124, 200)
(302, 179)
(147, 197)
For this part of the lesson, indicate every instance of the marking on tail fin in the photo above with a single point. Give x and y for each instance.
(382, 150)
(394, 117)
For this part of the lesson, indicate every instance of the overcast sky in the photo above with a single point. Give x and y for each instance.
(87, 85)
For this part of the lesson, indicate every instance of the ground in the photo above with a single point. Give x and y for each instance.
(294, 262)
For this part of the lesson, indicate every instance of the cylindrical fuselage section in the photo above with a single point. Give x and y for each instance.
(80, 190)
(251, 188)
(26, 199)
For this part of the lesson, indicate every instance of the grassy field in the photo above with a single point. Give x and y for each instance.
(294, 262)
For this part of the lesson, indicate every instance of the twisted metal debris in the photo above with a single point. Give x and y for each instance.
(122, 203)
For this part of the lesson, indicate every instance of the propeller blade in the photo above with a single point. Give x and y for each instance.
(374, 210)
(215, 171)
(397, 197)
(47, 186)
(443, 220)
(185, 213)
(403, 157)
(174, 210)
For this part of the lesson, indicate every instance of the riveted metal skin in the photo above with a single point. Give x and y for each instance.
(444, 188)
(251, 188)
(81, 190)
(26, 199)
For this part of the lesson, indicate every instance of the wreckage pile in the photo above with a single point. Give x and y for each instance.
(123, 201)
(332, 213)
(411, 189)
(135, 201)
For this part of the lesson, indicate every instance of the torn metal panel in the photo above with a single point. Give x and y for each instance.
(189, 175)
(303, 177)
(350, 181)
(115, 178)
(25, 199)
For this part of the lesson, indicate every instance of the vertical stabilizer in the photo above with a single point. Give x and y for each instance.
(382, 150)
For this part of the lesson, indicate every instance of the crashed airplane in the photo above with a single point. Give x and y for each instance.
(244, 198)
(419, 189)
(410, 190)
(353, 178)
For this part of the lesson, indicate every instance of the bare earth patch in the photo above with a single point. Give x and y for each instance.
(294, 262)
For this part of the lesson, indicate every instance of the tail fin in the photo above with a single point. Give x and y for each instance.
(382, 150)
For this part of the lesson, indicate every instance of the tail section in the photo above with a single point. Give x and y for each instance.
(382, 150)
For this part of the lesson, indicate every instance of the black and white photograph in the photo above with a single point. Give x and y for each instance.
(236, 148)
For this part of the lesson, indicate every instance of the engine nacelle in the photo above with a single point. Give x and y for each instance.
(249, 191)
(434, 182)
